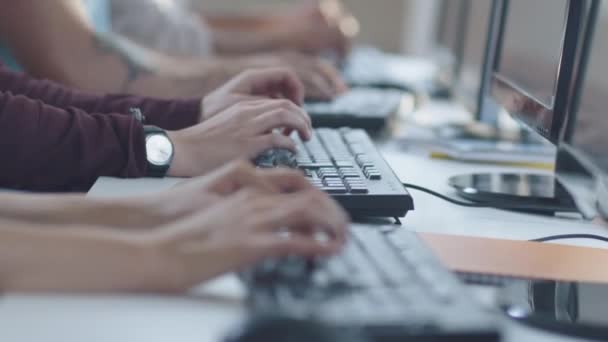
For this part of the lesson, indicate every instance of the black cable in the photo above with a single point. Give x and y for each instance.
(445, 198)
(479, 205)
(571, 236)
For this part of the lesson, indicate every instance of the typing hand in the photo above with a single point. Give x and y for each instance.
(321, 80)
(253, 84)
(245, 228)
(242, 131)
(196, 194)
(240, 174)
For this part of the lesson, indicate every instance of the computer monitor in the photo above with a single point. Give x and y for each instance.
(450, 33)
(584, 145)
(478, 47)
(532, 76)
(532, 69)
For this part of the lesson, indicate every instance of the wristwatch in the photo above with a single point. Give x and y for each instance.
(159, 151)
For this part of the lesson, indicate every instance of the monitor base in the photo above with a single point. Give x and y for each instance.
(529, 193)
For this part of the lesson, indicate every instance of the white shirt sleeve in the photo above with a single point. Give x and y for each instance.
(163, 25)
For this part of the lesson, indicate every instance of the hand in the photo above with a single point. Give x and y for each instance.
(192, 196)
(321, 80)
(244, 229)
(242, 131)
(254, 84)
(324, 26)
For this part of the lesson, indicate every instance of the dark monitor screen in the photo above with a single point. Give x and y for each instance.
(590, 135)
(532, 66)
(532, 44)
(475, 42)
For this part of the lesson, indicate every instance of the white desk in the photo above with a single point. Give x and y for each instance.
(209, 312)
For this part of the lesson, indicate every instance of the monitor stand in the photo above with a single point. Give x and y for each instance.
(602, 198)
(530, 193)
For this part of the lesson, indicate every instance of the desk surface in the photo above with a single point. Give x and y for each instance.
(208, 312)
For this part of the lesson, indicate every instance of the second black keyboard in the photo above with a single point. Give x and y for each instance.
(367, 108)
(346, 164)
(385, 282)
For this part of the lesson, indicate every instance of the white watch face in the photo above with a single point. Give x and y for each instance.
(158, 149)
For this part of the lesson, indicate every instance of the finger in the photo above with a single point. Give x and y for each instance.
(282, 118)
(316, 201)
(344, 34)
(271, 140)
(287, 132)
(268, 81)
(310, 208)
(259, 107)
(318, 87)
(332, 76)
(287, 180)
(241, 174)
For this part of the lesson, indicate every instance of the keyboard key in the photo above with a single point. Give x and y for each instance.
(356, 185)
(357, 149)
(328, 169)
(308, 173)
(352, 173)
(374, 176)
(344, 163)
(364, 161)
(317, 183)
(335, 189)
(316, 165)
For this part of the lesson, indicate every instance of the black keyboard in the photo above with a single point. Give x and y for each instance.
(385, 281)
(367, 108)
(346, 164)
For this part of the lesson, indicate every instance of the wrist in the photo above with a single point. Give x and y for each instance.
(134, 213)
(155, 269)
(162, 269)
(179, 166)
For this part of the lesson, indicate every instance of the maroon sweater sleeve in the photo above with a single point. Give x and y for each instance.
(166, 114)
(45, 148)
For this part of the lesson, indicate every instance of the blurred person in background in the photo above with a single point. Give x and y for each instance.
(73, 42)
(176, 28)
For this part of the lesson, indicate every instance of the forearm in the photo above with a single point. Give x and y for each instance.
(52, 149)
(167, 114)
(241, 22)
(76, 55)
(55, 258)
(74, 210)
(142, 71)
